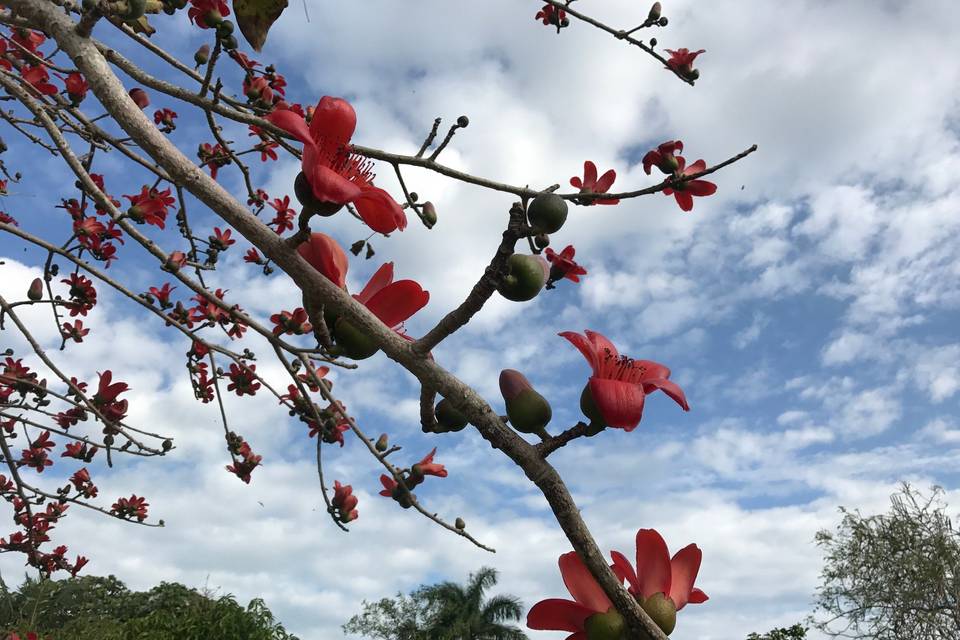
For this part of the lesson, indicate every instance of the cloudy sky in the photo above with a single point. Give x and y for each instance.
(808, 308)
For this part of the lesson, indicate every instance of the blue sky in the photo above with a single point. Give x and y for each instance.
(809, 315)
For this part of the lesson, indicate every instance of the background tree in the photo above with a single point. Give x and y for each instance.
(892, 576)
(795, 632)
(444, 611)
(102, 608)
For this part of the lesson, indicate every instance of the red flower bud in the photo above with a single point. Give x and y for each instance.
(529, 412)
(140, 97)
(35, 292)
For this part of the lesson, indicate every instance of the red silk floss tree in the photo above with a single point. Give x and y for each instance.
(159, 193)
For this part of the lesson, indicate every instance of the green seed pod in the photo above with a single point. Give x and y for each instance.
(355, 343)
(606, 626)
(662, 610)
(448, 418)
(529, 412)
(225, 28)
(429, 215)
(230, 43)
(526, 277)
(547, 212)
(382, 443)
(460, 524)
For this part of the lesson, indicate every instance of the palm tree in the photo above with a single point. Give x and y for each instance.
(462, 613)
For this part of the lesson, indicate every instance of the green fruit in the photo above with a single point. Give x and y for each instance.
(135, 10)
(230, 43)
(448, 418)
(304, 193)
(525, 279)
(529, 412)
(662, 610)
(355, 343)
(547, 212)
(606, 626)
(225, 28)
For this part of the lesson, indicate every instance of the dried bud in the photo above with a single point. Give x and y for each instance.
(663, 21)
(140, 97)
(460, 524)
(541, 241)
(429, 215)
(529, 412)
(382, 443)
(202, 55)
(463, 122)
(35, 292)
(654, 14)
(167, 445)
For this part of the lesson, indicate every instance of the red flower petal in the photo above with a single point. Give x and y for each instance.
(620, 403)
(601, 344)
(589, 174)
(378, 281)
(700, 188)
(668, 387)
(396, 302)
(325, 255)
(684, 199)
(582, 585)
(584, 346)
(332, 125)
(696, 167)
(379, 210)
(327, 184)
(684, 566)
(653, 563)
(605, 181)
(292, 123)
(697, 596)
(555, 614)
(621, 566)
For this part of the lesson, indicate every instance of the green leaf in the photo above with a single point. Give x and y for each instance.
(255, 17)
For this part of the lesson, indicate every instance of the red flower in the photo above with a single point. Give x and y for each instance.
(681, 61)
(106, 397)
(245, 464)
(663, 157)
(295, 323)
(77, 87)
(684, 191)
(550, 15)
(74, 331)
(392, 302)
(38, 78)
(252, 256)
(619, 384)
(285, 215)
(657, 573)
(562, 265)
(389, 485)
(207, 14)
(345, 502)
(336, 175)
(243, 380)
(131, 507)
(590, 183)
(326, 256)
(214, 157)
(176, 260)
(245, 63)
(6, 218)
(150, 206)
(220, 240)
(258, 89)
(80, 563)
(427, 467)
(162, 294)
(589, 600)
(28, 39)
(83, 297)
(164, 118)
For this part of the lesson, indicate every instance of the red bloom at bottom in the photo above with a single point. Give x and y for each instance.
(590, 605)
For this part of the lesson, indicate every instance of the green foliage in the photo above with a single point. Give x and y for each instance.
(445, 611)
(102, 608)
(894, 576)
(796, 632)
